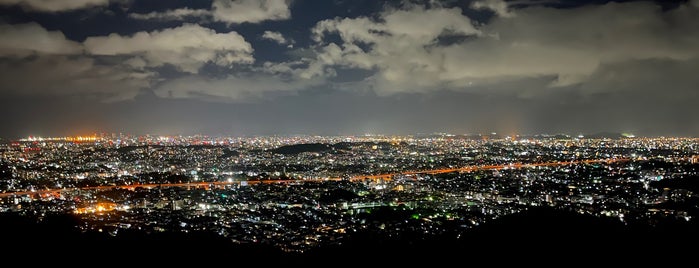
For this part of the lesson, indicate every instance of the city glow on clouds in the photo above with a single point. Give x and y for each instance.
(528, 43)
(410, 48)
(41, 62)
(54, 5)
(253, 11)
(187, 47)
(396, 34)
(237, 88)
(62, 75)
(175, 14)
(21, 40)
(228, 11)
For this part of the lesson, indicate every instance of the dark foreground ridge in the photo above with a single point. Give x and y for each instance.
(537, 235)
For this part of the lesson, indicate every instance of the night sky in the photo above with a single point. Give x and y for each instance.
(249, 67)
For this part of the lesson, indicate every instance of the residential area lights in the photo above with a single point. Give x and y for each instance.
(302, 192)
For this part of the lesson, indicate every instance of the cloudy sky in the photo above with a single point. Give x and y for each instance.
(260, 67)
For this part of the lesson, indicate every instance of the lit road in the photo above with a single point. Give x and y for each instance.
(374, 177)
(485, 167)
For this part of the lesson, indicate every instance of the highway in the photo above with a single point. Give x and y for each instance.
(373, 177)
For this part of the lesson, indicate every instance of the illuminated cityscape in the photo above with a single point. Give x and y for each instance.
(299, 193)
(401, 133)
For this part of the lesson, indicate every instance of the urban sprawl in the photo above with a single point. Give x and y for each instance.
(301, 192)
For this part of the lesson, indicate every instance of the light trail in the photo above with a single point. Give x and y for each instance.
(375, 177)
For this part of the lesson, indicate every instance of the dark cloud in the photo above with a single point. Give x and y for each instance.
(569, 44)
(70, 76)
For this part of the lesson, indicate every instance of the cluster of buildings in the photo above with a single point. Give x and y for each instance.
(298, 193)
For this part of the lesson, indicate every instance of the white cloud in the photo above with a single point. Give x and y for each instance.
(275, 36)
(175, 14)
(253, 11)
(57, 66)
(498, 6)
(269, 79)
(187, 47)
(137, 63)
(418, 50)
(25, 39)
(54, 5)
(400, 46)
(62, 75)
(305, 68)
(228, 11)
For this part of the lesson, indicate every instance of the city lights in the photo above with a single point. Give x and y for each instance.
(331, 185)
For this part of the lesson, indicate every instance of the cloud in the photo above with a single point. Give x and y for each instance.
(175, 14)
(251, 84)
(21, 40)
(40, 62)
(694, 3)
(252, 11)
(649, 96)
(498, 6)
(54, 5)
(228, 11)
(422, 50)
(653, 79)
(187, 47)
(234, 88)
(400, 45)
(63, 75)
(275, 36)
(570, 44)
